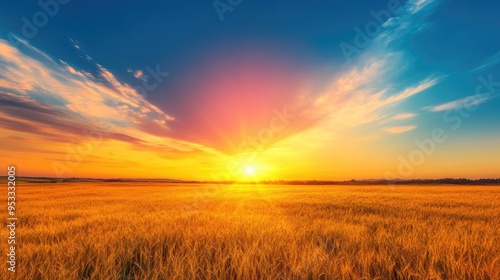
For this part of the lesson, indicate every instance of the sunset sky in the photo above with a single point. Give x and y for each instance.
(251, 90)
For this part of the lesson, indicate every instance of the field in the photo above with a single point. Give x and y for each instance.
(173, 231)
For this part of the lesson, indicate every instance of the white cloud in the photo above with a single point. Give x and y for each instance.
(416, 5)
(138, 74)
(36, 79)
(365, 94)
(469, 101)
(399, 129)
(403, 116)
(489, 62)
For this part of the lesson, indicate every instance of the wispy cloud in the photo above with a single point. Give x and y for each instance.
(365, 93)
(489, 62)
(52, 99)
(399, 129)
(138, 74)
(416, 5)
(403, 116)
(410, 91)
(468, 101)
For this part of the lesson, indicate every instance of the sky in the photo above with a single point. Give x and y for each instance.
(251, 90)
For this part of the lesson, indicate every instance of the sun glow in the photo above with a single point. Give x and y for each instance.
(250, 170)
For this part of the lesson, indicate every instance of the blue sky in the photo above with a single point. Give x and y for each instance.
(430, 57)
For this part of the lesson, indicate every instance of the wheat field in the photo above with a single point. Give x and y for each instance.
(174, 231)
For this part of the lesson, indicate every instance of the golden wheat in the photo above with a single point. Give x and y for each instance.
(167, 231)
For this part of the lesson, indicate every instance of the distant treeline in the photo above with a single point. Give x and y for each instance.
(444, 181)
(460, 181)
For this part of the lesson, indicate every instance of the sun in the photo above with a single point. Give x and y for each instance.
(252, 171)
(249, 170)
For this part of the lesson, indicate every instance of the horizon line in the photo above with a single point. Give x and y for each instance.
(275, 181)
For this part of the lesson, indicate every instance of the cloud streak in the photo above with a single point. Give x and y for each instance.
(49, 98)
(399, 129)
(469, 101)
(490, 62)
(403, 116)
